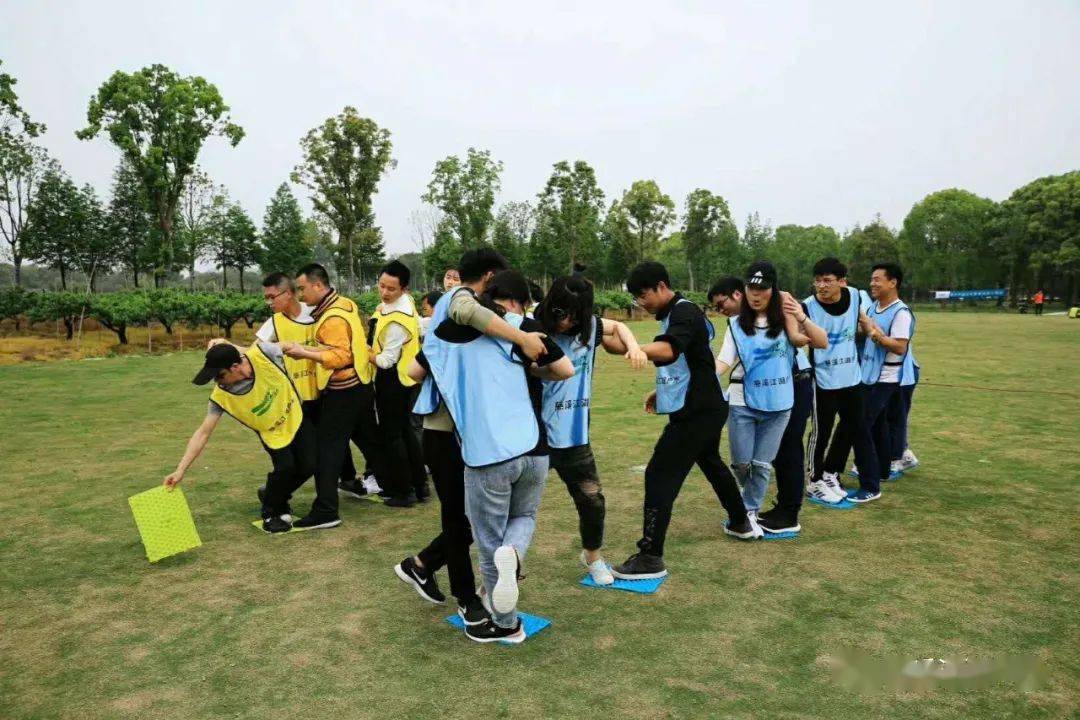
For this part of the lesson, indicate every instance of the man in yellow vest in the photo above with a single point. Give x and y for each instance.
(254, 387)
(343, 374)
(291, 322)
(395, 341)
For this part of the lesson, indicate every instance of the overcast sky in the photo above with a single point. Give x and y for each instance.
(807, 112)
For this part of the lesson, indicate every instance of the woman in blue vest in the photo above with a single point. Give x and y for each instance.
(758, 349)
(567, 316)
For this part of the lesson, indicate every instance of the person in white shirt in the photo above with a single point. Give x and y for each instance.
(395, 341)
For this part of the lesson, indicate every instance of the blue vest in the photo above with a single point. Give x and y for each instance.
(873, 357)
(427, 401)
(768, 384)
(672, 381)
(486, 392)
(565, 405)
(837, 366)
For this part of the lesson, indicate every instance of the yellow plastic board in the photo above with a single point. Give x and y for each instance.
(164, 521)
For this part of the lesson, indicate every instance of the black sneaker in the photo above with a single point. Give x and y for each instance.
(744, 530)
(488, 631)
(287, 510)
(315, 522)
(641, 566)
(778, 521)
(399, 500)
(423, 583)
(353, 488)
(474, 613)
(423, 493)
(276, 525)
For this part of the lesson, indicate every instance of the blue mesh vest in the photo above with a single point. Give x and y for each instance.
(565, 404)
(673, 380)
(873, 357)
(768, 384)
(837, 366)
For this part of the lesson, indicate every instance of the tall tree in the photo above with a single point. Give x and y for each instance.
(95, 251)
(423, 224)
(796, 248)
(14, 121)
(707, 231)
(465, 191)
(52, 231)
(864, 247)
(569, 216)
(22, 166)
(199, 202)
(283, 239)
(649, 213)
(344, 159)
(514, 225)
(945, 242)
(368, 255)
(238, 239)
(159, 122)
(129, 221)
(757, 238)
(616, 240)
(444, 251)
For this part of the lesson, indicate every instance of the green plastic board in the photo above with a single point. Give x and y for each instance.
(164, 521)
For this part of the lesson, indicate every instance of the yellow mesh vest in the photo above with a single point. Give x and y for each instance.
(409, 350)
(302, 372)
(271, 407)
(346, 309)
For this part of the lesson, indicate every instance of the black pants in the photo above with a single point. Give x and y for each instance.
(875, 428)
(1038, 308)
(293, 465)
(683, 442)
(451, 546)
(401, 466)
(342, 414)
(366, 438)
(576, 467)
(790, 460)
(829, 455)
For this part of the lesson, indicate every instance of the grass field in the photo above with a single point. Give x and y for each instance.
(974, 553)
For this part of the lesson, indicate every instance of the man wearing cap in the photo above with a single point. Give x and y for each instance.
(254, 387)
(343, 374)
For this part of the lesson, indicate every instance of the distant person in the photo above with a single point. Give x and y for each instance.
(451, 279)
(1038, 300)
(427, 310)
(254, 387)
(689, 393)
(886, 363)
(759, 349)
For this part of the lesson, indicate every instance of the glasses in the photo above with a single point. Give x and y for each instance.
(824, 282)
(271, 298)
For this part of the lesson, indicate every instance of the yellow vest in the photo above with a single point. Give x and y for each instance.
(346, 309)
(302, 372)
(271, 407)
(411, 347)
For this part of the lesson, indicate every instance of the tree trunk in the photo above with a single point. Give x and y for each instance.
(224, 279)
(241, 271)
(352, 271)
(69, 326)
(690, 272)
(16, 260)
(135, 276)
(121, 332)
(63, 286)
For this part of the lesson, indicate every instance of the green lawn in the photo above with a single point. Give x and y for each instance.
(975, 553)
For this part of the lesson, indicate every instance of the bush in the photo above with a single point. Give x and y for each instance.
(64, 305)
(118, 310)
(15, 303)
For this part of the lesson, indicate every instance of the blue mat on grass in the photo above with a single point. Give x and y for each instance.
(532, 624)
(790, 535)
(842, 505)
(645, 587)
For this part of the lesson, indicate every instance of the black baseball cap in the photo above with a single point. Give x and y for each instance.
(761, 274)
(220, 357)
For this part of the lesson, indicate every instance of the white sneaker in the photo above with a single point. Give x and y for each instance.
(832, 482)
(504, 595)
(599, 570)
(908, 461)
(758, 532)
(854, 472)
(820, 491)
(371, 484)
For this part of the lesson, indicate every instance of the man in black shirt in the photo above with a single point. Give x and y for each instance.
(687, 390)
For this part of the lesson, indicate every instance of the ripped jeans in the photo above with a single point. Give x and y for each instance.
(755, 437)
(576, 467)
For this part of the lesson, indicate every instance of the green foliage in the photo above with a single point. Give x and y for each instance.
(443, 253)
(128, 222)
(368, 255)
(945, 242)
(648, 213)
(794, 251)
(14, 303)
(568, 222)
(612, 300)
(22, 166)
(465, 192)
(54, 224)
(285, 247)
(159, 122)
(514, 226)
(118, 310)
(344, 159)
(864, 247)
(14, 121)
(710, 238)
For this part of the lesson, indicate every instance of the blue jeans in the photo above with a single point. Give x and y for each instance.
(755, 437)
(501, 501)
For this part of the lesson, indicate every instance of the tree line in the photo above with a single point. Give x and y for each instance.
(165, 215)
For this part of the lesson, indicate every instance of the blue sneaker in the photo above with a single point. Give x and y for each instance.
(864, 496)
